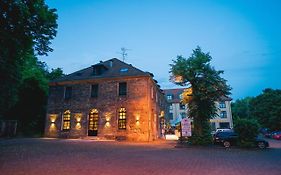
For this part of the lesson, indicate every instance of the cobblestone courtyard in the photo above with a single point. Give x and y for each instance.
(58, 156)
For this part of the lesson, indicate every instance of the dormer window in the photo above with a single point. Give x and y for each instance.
(99, 69)
(169, 97)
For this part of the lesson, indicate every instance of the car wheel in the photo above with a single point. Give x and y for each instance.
(226, 144)
(261, 145)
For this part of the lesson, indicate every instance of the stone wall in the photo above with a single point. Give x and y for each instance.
(141, 110)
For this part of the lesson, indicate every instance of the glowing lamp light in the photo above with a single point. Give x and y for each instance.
(107, 124)
(107, 116)
(78, 118)
(162, 114)
(137, 119)
(53, 118)
(107, 119)
(78, 126)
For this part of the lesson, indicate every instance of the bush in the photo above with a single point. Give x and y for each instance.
(247, 130)
(205, 138)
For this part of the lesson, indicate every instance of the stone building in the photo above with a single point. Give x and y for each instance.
(177, 110)
(110, 99)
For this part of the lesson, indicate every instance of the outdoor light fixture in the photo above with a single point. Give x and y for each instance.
(107, 124)
(53, 118)
(107, 116)
(78, 118)
(78, 125)
(137, 119)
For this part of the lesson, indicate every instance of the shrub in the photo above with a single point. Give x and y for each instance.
(247, 130)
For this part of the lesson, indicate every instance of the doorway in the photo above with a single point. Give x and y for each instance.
(93, 123)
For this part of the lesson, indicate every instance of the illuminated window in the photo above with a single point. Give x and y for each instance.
(66, 120)
(122, 88)
(122, 119)
(93, 122)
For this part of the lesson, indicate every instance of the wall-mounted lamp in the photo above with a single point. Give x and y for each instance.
(107, 119)
(78, 118)
(53, 118)
(53, 125)
(137, 119)
(107, 124)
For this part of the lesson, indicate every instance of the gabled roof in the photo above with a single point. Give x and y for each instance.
(176, 95)
(114, 69)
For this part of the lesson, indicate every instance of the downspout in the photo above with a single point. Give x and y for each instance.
(148, 107)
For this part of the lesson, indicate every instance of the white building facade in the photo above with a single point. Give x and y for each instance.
(177, 110)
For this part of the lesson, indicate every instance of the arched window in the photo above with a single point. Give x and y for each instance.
(93, 122)
(66, 120)
(122, 118)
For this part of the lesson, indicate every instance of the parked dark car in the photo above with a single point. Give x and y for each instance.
(228, 139)
(268, 135)
(265, 132)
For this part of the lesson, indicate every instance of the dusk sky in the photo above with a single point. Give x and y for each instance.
(243, 37)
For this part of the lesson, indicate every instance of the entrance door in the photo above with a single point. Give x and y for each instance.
(93, 123)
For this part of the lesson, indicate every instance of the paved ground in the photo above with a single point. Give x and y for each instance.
(58, 156)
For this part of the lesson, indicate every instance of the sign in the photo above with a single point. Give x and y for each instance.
(185, 127)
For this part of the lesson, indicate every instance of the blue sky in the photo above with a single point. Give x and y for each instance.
(243, 37)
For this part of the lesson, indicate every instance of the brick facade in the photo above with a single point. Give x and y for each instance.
(143, 103)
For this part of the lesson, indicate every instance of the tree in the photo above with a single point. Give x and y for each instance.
(241, 108)
(247, 130)
(30, 109)
(55, 74)
(266, 108)
(206, 86)
(27, 27)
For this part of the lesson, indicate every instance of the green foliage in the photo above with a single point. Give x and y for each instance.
(30, 108)
(55, 74)
(247, 130)
(266, 108)
(26, 25)
(241, 108)
(207, 87)
(205, 138)
(26, 29)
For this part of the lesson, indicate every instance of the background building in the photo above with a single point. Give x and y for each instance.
(110, 99)
(177, 110)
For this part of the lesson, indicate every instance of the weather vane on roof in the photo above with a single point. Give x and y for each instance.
(124, 53)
